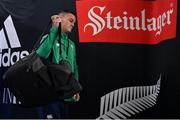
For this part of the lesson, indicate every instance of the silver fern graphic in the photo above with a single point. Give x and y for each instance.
(125, 102)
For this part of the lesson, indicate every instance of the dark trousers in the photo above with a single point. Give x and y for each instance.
(54, 110)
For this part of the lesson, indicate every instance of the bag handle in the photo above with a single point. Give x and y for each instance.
(37, 44)
(60, 43)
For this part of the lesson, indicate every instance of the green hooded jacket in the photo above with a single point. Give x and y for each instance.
(45, 49)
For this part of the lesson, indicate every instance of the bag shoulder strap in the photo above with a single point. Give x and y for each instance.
(60, 43)
(37, 44)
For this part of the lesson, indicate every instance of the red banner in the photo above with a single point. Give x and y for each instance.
(126, 21)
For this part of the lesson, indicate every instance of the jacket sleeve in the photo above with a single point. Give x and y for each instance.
(48, 40)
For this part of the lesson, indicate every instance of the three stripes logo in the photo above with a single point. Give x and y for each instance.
(9, 54)
(9, 41)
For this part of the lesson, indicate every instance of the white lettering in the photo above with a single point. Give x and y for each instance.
(117, 20)
(143, 20)
(132, 27)
(163, 19)
(8, 97)
(109, 20)
(14, 56)
(152, 25)
(97, 20)
(159, 25)
(0, 58)
(169, 12)
(126, 22)
(7, 59)
(24, 54)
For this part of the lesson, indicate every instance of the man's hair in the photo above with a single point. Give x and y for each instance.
(63, 12)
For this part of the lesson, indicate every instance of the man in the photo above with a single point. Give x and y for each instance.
(51, 46)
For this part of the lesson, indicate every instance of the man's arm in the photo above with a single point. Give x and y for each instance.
(45, 48)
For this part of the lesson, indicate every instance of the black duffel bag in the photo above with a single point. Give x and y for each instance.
(36, 81)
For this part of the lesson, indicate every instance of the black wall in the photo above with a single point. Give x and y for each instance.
(104, 67)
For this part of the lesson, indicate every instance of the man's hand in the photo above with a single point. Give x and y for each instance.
(56, 19)
(76, 97)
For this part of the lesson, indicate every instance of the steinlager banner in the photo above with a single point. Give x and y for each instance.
(144, 22)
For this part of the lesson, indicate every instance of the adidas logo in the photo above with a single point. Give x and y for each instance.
(9, 40)
(9, 54)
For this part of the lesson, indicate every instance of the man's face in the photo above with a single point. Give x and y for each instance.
(67, 23)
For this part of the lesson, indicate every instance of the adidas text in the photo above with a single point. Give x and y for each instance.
(8, 58)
